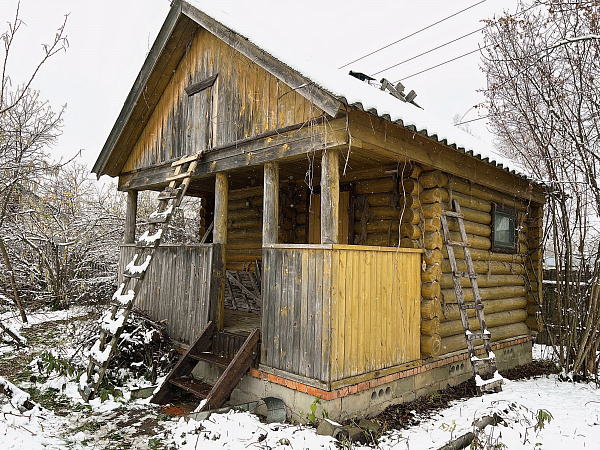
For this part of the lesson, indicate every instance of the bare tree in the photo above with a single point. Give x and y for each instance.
(27, 127)
(542, 68)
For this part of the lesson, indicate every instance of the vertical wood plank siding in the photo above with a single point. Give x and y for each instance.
(246, 101)
(177, 288)
(332, 312)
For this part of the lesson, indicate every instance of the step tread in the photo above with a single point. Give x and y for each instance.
(216, 360)
(196, 387)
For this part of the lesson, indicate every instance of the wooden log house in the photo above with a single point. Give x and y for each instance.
(326, 221)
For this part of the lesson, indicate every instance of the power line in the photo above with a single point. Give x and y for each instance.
(428, 51)
(412, 34)
(440, 64)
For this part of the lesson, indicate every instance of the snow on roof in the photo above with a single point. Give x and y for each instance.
(309, 57)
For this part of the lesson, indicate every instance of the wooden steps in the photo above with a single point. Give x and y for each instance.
(235, 368)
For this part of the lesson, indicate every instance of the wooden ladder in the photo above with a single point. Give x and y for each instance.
(113, 321)
(218, 394)
(486, 374)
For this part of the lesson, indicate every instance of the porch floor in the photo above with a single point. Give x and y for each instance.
(240, 323)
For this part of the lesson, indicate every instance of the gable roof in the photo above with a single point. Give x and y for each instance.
(300, 65)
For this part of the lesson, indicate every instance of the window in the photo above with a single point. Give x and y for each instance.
(504, 235)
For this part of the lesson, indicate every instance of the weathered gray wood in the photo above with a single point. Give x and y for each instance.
(251, 153)
(130, 217)
(165, 292)
(330, 196)
(221, 200)
(266, 309)
(305, 352)
(271, 203)
(303, 86)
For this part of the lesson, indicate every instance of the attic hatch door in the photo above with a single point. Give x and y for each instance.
(201, 124)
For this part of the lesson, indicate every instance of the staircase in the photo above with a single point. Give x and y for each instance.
(214, 396)
(486, 374)
(113, 321)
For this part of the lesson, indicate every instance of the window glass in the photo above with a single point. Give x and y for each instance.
(504, 229)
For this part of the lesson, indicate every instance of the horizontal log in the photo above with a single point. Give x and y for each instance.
(433, 178)
(430, 327)
(387, 199)
(434, 195)
(409, 186)
(241, 214)
(235, 256)
(301, 218)
(300, 231)
(484, 255)
(431, 273)
(243, 203)
(493, 267)
(458, 342)
(243, 244)
(410, 231)
(376, 185)
(239, 266)
(449, 296)
(431, 290)
(430, 346)
(452, 327)
(484, 281)
(245, 223)
(383, 226)
(432, 225)
(409, 243)
(379, 213)
(409, 215)
(382, 239)
(245, 233)
(431, 210)
(431, 309)
(452, 312)
(478, 229)
(408, 201)
(244, 193)
(484, 193)
(475, 241)
(433, 240)
(472, 215)
(472, 202)
(432, 257)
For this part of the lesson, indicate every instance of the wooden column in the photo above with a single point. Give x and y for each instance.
(130, 217)
(221, 202)
(219, 263)
(330, 196)
(271, 204)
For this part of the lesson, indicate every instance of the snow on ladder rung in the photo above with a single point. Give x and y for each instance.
(137, 271)
(169, 194)
(147, 240)
(470, 305)
(162, 216)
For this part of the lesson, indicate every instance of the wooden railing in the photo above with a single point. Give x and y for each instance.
(177, 287)
(333, 313)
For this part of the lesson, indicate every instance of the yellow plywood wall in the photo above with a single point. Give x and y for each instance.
(375, 309)
(247, 100)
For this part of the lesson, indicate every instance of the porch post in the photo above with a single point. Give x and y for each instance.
(217, 306)
(130, 216)
(270, 229)
(330, 196)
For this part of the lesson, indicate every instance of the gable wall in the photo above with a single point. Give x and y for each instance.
(249, 99)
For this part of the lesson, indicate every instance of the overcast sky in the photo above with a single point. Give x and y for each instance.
(109, 40)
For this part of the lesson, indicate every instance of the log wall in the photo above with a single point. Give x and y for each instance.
(335, 312)
(176, 288)
(246, 101)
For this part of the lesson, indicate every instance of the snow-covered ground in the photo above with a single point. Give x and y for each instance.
(573, 410)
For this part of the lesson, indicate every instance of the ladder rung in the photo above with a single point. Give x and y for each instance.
(159, 218)
(179, 177)
(458, 243)
(453, 214)
(186, 159)
(465, 275)
(168, 194)
(493, 385)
